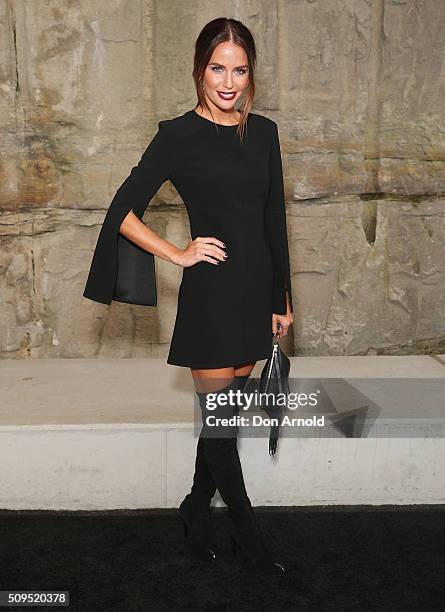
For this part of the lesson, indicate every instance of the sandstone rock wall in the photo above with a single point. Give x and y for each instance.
(357, 89)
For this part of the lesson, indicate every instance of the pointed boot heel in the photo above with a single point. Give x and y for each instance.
(262, 566)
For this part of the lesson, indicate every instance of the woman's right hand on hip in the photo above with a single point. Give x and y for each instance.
(201, 248)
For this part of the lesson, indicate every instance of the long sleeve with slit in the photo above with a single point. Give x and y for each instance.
(154, 168)
(276, 227)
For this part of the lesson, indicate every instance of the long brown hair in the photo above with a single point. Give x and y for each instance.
(212, 34)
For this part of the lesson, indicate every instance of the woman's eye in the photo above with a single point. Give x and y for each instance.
(239, 70)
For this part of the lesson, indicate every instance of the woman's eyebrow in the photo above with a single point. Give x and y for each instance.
(222, 65)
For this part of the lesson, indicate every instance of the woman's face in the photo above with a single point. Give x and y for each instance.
(226, 72)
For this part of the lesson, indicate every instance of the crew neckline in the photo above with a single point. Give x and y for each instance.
(214, 122)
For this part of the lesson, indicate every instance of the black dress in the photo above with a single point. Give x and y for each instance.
(233, 191)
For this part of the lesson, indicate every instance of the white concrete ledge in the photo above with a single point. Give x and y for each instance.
(103, 434)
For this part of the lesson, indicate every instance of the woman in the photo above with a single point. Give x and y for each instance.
(236, 286)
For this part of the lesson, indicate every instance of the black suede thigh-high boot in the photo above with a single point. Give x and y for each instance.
(224, 464)
(203, 488)
(195, 508)
(195, 511)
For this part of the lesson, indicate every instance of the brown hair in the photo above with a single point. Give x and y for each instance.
(212, 34)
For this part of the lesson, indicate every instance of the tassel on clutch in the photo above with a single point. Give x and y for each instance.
(275, 379)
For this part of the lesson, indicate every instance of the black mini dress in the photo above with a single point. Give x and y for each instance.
(232, 190)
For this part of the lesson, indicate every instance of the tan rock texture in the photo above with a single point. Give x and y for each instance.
(357, 90)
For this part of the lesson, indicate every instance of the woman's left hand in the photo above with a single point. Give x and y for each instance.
(285, 321)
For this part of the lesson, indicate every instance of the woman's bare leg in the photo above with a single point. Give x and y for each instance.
(212, 379)
(209, 379)
(244, 369)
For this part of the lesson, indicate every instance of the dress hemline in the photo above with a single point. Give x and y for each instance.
(232, 362)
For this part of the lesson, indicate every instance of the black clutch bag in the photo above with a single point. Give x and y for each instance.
(274, 379)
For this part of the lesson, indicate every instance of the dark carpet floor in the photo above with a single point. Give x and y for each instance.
(342, 558)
